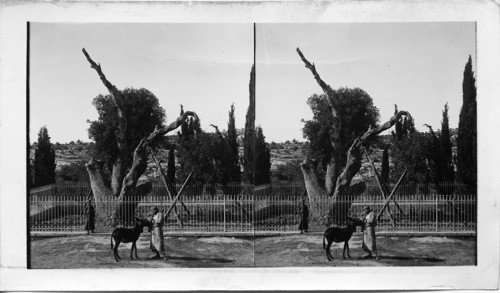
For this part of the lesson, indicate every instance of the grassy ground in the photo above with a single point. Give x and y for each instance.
(94, 251)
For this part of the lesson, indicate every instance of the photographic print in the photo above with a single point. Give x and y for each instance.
(248, 146)
(138, 138)
(373, 154)
(328, 179)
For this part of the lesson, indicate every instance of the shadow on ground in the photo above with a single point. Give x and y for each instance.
(406, 258)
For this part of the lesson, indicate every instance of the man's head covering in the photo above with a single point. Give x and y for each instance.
(155, 209)
(367, 208)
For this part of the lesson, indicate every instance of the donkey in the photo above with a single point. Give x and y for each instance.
(337, 235)
(127, 235)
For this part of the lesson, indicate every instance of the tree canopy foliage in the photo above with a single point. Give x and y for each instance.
(290, 171)
(142, 112)
(410, 154)
(198, 153)
(214, 157)
(358, 113)
(426, 156)
(74, 172)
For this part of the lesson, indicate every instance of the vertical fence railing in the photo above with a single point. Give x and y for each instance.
(273, 208)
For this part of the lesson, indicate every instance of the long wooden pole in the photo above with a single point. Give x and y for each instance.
(382, 190)
(172, 191)
(164, 178)
(179, 193)
(391, 195)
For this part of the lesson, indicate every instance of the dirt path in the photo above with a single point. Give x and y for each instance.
(94, 251)
(301, 250)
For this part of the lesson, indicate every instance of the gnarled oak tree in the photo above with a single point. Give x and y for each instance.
(338, 182)
(130, 191)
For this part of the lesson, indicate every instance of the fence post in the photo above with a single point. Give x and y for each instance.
(419, 212)
(453, 212)
(224, 211)
(437, 207)
(241, 217)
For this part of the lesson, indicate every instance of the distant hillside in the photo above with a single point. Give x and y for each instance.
(68, 153)
(281, 153)
(294, 152)
(286, 152)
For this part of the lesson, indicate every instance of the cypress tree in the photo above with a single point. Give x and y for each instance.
(446, 143)
(232, 149)
(467, 130)
(45, 159)
(435, 157)
(262, 159)
(171, 166)
(385, 165)
(249, 139)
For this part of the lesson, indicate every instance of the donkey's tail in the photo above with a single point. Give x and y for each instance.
(111, 241)
(324, 246)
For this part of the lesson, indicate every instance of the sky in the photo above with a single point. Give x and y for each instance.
(418, 66)
(206, 67)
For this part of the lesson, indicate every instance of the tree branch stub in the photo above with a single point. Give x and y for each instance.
(172, 126)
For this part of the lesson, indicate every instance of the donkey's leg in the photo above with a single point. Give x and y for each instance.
(328, 252)
(132, 250)
(115, 250)
(347, 244)
(135, 245)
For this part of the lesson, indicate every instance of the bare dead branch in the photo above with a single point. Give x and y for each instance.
(177, 123)
(326, 88)
(115, 93)
(372, 132)
(115, 96)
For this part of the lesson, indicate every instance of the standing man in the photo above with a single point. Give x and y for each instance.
(157, 245)
(90, 213)
(369, 238)
(304, 215)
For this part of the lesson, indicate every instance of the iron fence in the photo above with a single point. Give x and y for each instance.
(229, 209)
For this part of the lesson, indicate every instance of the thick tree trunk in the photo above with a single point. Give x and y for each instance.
(315, 191)
(117, 175)
(332, 172)
(105, 201)
(125, 201)
(338, 186)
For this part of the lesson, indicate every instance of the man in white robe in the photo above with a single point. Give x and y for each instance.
(369, 238)
(157, 245)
